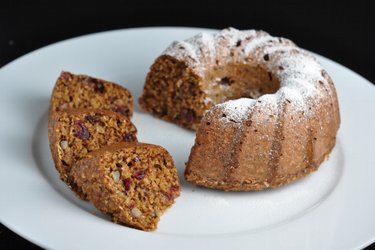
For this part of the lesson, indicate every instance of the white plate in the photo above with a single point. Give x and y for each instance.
(332, 208)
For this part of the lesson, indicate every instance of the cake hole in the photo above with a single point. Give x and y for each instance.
(234, 81)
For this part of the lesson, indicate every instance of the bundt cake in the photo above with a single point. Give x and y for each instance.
(82, 91)
(265, 110)
(132, 182)
(74, 133)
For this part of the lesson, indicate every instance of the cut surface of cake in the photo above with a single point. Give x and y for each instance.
(81, 91)
(134, 183)
(74, 133)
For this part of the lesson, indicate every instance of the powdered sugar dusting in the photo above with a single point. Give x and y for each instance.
(255, 43)
(298, 72)
(205, 48)
(236, 110)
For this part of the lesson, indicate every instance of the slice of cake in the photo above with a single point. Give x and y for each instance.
(132, 182)
(82, 91)
(72, 134)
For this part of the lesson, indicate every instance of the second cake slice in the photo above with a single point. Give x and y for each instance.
(74, 133)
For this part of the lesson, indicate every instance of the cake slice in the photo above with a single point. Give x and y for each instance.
(72, 134)
(132, 182)
(82, 91)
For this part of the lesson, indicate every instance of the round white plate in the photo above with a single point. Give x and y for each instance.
(332, 208)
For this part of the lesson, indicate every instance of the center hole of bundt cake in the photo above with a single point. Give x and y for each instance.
(236, 81)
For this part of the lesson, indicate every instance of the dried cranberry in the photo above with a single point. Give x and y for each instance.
(172, 192)
(98, 85)
(122, 110)
(128, 137)
(81, 131)
(112, 99)
(188, 116)
(226, 81)
(92, 118)
(65, 75)
(139, 175)
(174, 188)
(127, 183)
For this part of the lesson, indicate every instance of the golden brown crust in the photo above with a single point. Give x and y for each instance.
(250, 184)
(133, 182)
(74, 133)
(82, 91)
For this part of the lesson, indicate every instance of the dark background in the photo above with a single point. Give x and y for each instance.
(343, 32)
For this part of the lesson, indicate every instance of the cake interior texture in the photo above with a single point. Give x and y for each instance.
(175, 93)
(132, 182)
(75, 133)
(81, 91)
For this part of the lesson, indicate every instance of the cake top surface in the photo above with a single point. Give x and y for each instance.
(298, 72)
